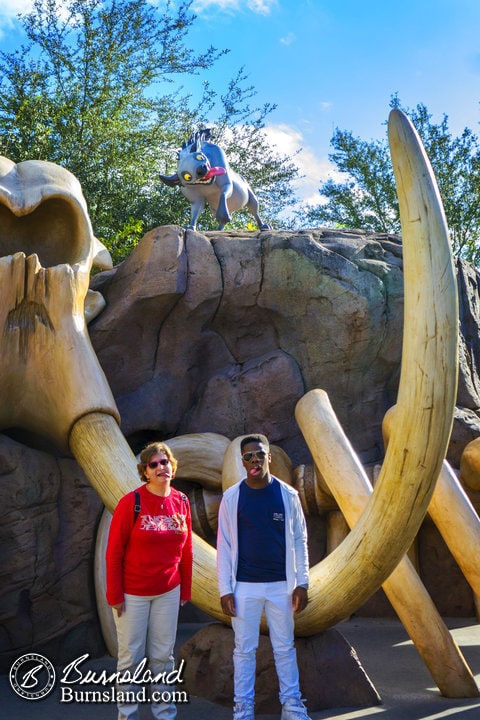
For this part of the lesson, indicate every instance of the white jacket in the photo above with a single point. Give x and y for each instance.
(295, 539)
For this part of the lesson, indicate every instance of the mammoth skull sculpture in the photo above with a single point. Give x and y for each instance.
(52, 383)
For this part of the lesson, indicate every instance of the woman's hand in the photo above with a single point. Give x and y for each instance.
(120, 608)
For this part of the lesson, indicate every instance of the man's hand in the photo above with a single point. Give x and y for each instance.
(299, 599)
(228, 605)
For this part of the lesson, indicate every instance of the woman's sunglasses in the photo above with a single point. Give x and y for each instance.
(154, 463)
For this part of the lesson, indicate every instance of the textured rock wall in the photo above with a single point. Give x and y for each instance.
(225, 333)
(49, 516)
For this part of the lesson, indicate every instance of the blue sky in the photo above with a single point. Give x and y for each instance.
(336, 63)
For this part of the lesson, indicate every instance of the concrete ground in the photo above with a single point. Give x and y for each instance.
(382, 645)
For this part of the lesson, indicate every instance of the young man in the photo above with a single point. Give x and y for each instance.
(262, 562)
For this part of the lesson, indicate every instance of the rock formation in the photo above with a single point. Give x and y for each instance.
(215, 325)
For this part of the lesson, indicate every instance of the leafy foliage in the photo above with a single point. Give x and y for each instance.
(366, 197)
(96, 90)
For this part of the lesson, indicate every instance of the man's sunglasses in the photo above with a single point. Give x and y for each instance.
(154, 463)
(260, 454)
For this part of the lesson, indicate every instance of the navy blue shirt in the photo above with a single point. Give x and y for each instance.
(261, 534)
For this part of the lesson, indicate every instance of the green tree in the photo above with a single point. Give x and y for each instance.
(366, 196)
(96, 89)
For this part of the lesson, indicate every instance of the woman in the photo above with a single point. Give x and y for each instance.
(149, 575)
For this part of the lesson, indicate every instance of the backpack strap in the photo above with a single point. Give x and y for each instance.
(136, 507)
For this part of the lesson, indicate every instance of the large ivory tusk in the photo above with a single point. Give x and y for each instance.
(458, 523)
(105, 613)
(426, 398)
(101, 450)
(351, 488)
(201, 458)
(454, 516)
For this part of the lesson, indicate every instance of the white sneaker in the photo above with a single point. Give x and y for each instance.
(243, 711)
(294, 710)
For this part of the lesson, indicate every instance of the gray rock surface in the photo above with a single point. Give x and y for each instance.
(225, 331)
(49, 515)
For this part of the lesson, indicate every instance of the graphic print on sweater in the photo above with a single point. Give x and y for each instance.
(163, 523)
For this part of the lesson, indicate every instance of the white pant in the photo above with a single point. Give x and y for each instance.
(147, 629)
(250, 600)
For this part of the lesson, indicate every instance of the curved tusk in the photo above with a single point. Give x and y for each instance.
(450, 502)
(101, 256)
(105, 614)
(101, 450)
(426, 398)
(94, 305)
(348, 482)
(454, 516)
(200, 457)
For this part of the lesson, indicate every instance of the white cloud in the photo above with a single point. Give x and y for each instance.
(288, 39)
(11, 8)
(261, 7)
(314, 168)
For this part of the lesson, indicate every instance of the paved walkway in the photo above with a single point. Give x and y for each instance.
(386, 653)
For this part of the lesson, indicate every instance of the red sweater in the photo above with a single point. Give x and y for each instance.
(154, 555)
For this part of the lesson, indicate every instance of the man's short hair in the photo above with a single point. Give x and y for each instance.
(255, 438)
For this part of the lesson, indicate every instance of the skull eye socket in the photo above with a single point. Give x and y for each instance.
(186, 176)
(53, 231)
